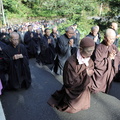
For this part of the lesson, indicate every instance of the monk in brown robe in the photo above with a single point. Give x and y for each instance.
(107, 59)
(75, 93)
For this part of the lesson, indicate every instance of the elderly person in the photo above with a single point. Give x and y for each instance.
(16, 62)
(64, 45)
(94, 34)
(114, 26)
(107, 60)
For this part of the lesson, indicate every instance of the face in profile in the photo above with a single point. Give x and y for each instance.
(110, 39)
(14, 39)
(87, 52)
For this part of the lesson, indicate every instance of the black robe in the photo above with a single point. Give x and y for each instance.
(47, 53)
(18, 70)
(55, 34)
(4, 37)
(31, 44)
(63, 53)
(77, 38)
(2, 65)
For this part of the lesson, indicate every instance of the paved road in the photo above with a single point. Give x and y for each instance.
(31, 104)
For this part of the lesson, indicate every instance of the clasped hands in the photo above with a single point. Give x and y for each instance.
(112, 54)
(17, 56)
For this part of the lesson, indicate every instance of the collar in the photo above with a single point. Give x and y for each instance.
(82, 60)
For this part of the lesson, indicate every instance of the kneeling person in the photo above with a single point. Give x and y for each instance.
(75, 93)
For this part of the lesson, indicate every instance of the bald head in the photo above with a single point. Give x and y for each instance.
(114, 25)
(14, 38)
(14, 34)
(110, 32)
(109, 37)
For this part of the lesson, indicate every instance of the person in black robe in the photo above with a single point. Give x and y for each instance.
(64, 46)
(16, 62)
(77, 35)
(47, 46)
(2, 66)
(4, 37)
(55, 34)
(31, 42)
(95, 35)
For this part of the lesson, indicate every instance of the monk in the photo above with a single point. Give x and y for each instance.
(107, 60)
(16, 62)
(64, 47)
(75, 93)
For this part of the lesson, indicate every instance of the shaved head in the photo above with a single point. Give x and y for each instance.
(110, 32)
(109, 37)
(114, 25)
(13, 34)
(14, 38)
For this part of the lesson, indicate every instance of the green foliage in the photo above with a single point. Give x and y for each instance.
(76, 11)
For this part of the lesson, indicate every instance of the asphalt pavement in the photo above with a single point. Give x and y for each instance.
(32, 104)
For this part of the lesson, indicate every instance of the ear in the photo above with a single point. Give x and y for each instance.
(81, 49)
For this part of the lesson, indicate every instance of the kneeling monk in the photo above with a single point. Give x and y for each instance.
(75, 93)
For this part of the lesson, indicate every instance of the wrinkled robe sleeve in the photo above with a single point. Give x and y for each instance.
(74, 83)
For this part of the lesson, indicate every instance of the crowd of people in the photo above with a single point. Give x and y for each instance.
(87, 65)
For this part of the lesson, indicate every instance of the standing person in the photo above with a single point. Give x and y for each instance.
(77, 35)
(39, 38)
(94, 34)
(21, 33)
(4, 36)
(75, 93)
(107, 60)
(47, 46)
(55, 34)
(16, 61)
(31, 42)
(64, 46)
(114, 26)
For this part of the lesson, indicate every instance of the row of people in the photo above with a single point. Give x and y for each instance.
(82, 75)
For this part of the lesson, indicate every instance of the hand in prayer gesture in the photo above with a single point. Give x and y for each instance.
(38, 36)
(49, 41)
(96, 38)
(71, 42)
(17, 56)
(4, 36)
(112, 55)
(31, 35)
(54, 35)
(89, 72)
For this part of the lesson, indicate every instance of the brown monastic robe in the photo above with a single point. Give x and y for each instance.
(105, 68)
(75, 94)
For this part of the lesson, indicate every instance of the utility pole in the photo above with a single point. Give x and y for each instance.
(101, 9)
(2, 12)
